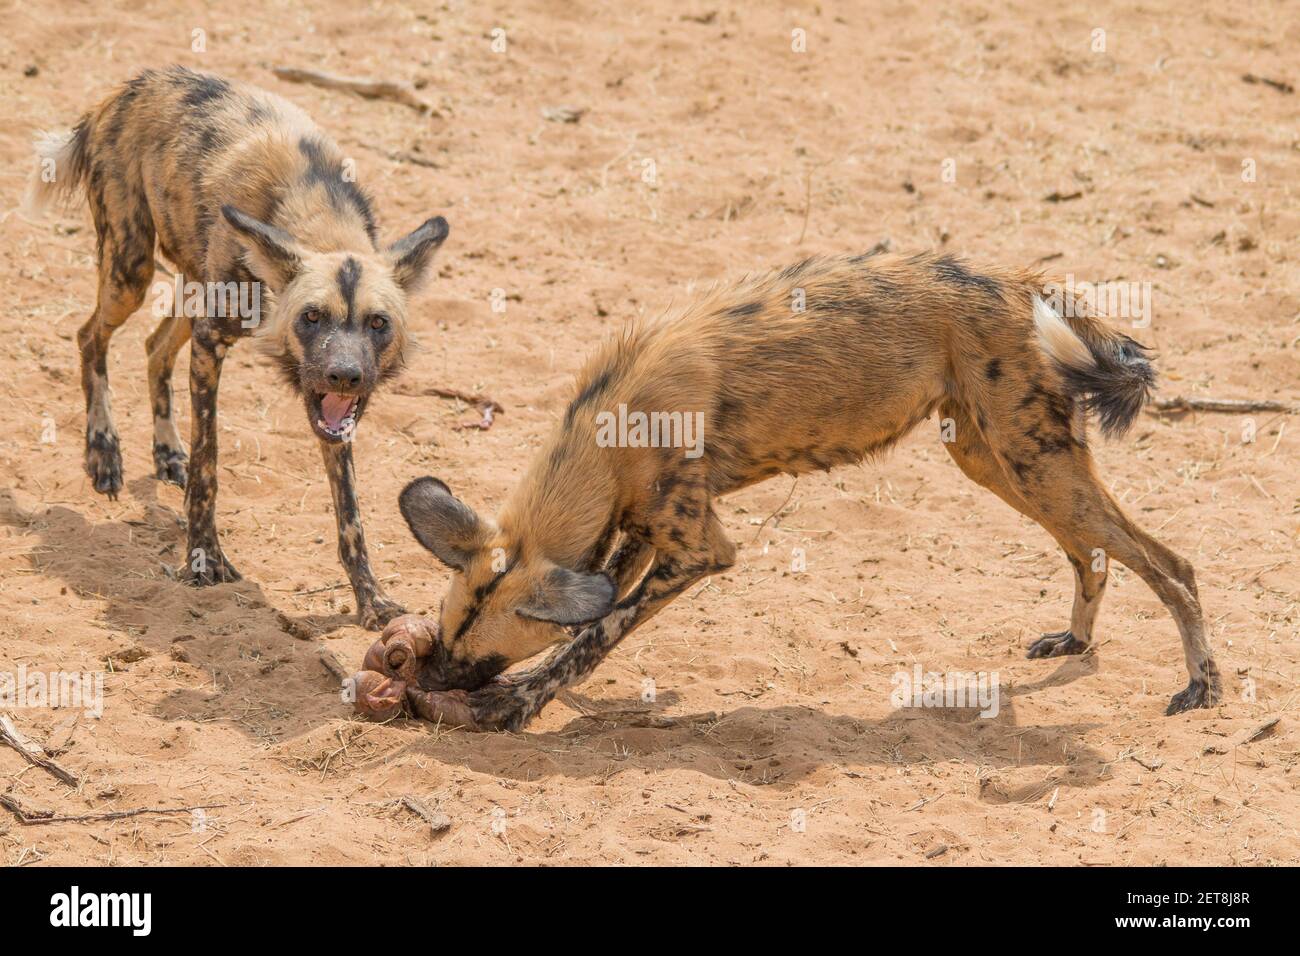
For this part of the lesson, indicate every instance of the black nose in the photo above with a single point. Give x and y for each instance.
(344, 375)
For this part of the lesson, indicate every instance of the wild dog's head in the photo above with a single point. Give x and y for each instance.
(338, 327)
(505, 603)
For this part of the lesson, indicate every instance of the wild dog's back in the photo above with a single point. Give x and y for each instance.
(180, 144)
(818, 365)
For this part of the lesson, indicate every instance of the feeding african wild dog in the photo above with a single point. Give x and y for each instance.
(238, 188)
(605, 537)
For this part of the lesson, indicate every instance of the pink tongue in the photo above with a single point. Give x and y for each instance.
(334, 406)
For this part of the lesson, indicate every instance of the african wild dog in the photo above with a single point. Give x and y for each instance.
(239, 190)
(605, 537)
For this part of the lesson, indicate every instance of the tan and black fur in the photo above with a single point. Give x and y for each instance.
(605, 537)
(234, 185)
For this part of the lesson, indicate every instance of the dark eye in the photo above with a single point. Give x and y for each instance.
(310, 316)
(379, 322)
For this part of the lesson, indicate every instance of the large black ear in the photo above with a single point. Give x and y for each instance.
(441, 522)
(272, 254)
(412, 255)
(570, 597)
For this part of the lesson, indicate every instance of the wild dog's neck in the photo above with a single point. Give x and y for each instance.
(565, 506)
(322, 204)
(320, 225)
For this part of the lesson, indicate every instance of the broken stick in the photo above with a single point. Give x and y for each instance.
(331, 664)
(393, 90)
(438, 822)
(1181, 404)
(32, 751)
(35, 817)
(487, 407)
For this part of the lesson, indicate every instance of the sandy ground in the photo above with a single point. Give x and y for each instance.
(772, 687)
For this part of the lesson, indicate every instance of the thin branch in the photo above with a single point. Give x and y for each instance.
(33, 752)
(331, 664)
(438, 822)
(393, 90)
(794, 484)
(36, 817)
(488, 407)
(1230, 405)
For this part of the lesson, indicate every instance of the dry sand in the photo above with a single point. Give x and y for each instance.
(772, 687)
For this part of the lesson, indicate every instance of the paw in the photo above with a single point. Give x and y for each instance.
(1060, 644)
(375, 614)
(209, 568)
(169, 464)
(104, 463)
(1199, 693)
(502, 704)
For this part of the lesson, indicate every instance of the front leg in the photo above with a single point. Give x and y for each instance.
(510, 703)
(374, 610)
(204, 562)
(628, 563)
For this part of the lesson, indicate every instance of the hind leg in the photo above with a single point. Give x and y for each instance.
(125, 243)
(1089, 586)
(977, 461)
(120, 294)
(628, 563)
(162, 346)
(1055, 476)
(1076, 505)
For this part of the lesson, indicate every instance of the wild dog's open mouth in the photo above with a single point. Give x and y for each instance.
(335, 415)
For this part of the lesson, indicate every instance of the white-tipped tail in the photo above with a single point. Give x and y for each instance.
(1110, 373)
(58, 173)
(1058, 339)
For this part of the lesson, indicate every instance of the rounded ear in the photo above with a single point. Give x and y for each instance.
(412, 255)
(441, 522)
(570, 597)
(271, 253)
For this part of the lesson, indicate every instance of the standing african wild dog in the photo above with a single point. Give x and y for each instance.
(606, 536)
(239, 189)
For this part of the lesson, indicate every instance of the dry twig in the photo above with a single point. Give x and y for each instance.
(33, 752)
(438, 822)
(331, 664)
(488, 407)
(34, 817)
(1181, 404)
(393, 90)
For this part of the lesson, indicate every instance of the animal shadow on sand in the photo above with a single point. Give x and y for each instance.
(248, 656)
(781, 745)
(254, 660)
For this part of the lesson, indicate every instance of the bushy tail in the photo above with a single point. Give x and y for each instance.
(61, 169)
(1106, 370)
